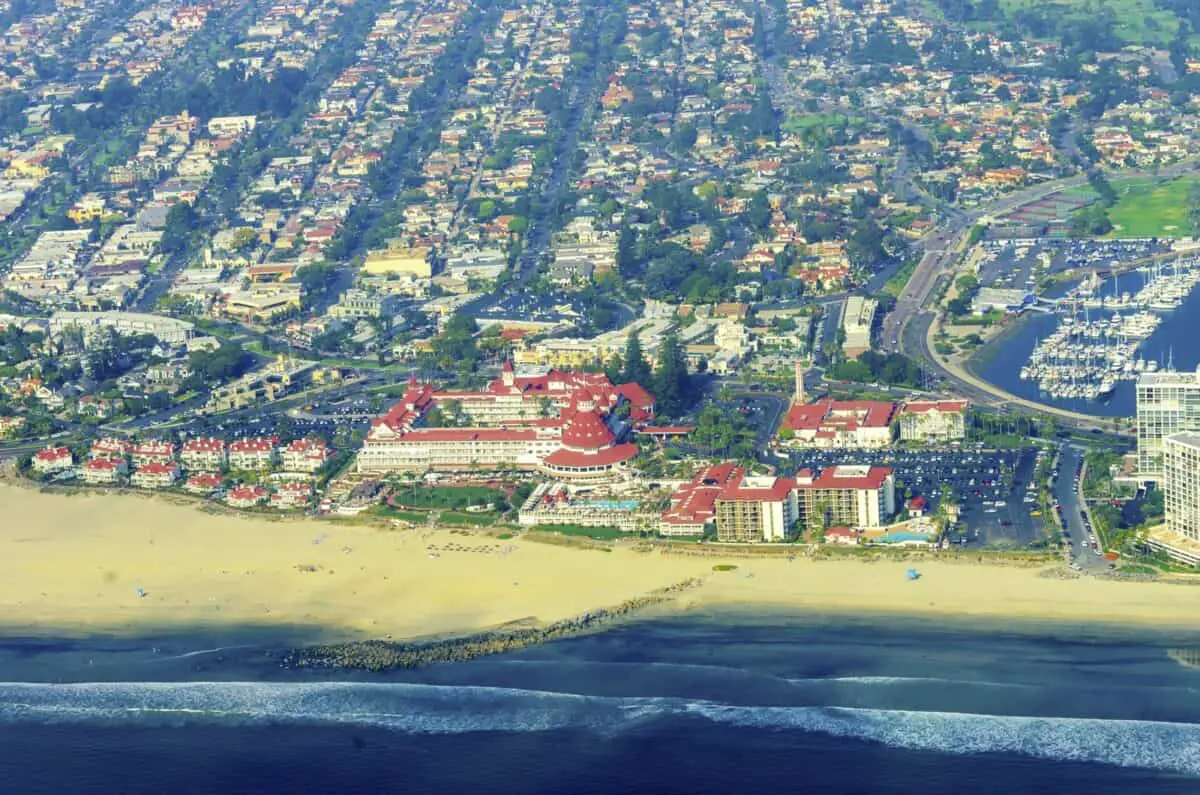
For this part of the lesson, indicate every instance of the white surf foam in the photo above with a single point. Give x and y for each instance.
(438, 709)
(902, 680)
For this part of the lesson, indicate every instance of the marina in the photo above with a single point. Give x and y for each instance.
(1171, 341)
(1101, 330)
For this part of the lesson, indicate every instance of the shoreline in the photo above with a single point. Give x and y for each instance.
(69, 569)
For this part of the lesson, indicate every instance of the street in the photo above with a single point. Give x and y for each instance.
(1068, 495)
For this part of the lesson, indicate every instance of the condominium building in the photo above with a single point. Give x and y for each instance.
(858, 496)
(1181, 484)
(153, 451)
(53, 459)
(99, 471)
(110, 447)
(203, 453)
(305, 455)
(1167, 403)
(94, 324)
(753, 509)
(158, 475)
(253, 454)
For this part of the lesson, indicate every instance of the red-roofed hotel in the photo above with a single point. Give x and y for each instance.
(560, 423)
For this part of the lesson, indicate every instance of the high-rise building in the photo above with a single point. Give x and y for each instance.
(1167, 403)
(1181, 484)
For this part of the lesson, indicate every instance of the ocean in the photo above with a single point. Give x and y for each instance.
(700, 703)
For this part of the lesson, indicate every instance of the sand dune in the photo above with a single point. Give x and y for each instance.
(71, 565)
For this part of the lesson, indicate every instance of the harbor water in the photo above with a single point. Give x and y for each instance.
(1176, 340)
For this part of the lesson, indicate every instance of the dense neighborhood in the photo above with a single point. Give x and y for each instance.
(650, 266)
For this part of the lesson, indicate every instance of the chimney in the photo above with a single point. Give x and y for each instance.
(799, 397)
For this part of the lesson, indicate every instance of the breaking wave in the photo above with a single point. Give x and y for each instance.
(436, 709)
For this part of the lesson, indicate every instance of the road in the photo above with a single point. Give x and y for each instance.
(942, 247)
(1071, 499)
(906, 327)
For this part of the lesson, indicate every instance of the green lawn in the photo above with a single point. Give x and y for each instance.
(1151, 208)
(599, 533)
(895, 285)
(451, 497)
(395, 513)
(451, 517)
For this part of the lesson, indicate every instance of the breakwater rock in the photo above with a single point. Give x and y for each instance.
(383, 655)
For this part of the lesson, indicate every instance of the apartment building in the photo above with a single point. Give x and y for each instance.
(1167, 403)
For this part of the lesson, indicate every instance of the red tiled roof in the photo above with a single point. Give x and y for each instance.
(776, 492)
(256, 445)
(471, 435)
(843, 414)
(204, 445)
(695, 502)
(52, 454)
(580, 460)
(831, 479)
(586, 431)
(247, 493)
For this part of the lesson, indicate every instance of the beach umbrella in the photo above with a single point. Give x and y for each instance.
(913, 574)
(141, 594)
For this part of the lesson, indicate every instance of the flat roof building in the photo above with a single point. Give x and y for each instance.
(1167, 403)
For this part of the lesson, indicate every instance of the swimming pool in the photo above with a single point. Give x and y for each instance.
(610, 505)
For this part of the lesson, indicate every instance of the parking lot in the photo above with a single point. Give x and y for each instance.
(991, 486)
(1012, 265)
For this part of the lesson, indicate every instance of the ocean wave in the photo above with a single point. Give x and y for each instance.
(903, 680)
(443, 709)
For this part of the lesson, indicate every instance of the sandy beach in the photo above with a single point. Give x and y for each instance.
(71, 565)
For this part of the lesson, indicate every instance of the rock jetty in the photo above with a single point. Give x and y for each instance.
(382, 655)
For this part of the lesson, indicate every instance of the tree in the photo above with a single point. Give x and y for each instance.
(636, 368)
(182, 220)
(672, 386)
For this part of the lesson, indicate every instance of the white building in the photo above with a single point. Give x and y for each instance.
(103, 471)
(92, 324)
(933, 421)
(252, 454)
(305, 455)
(1167, 403)
(1181, 484)
(858, 316)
